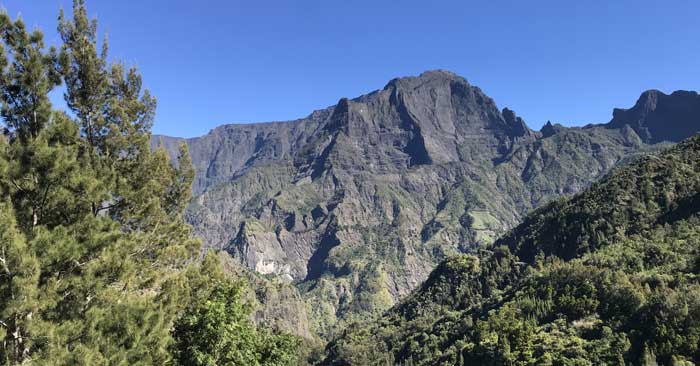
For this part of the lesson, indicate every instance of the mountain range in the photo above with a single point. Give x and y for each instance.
(351, 208)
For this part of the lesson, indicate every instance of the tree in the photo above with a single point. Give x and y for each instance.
(27, 78)
(97, 263)
(95, 238)
(215, 328)
(19, 275)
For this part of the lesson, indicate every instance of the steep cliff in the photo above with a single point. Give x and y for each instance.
(659, 117)
(357, 203)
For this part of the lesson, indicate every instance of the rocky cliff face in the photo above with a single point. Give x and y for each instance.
(356, 203)
(659, 117)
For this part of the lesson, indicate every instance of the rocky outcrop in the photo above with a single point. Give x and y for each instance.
(357, 203)
(227, 151)
(659, 117)
(278, 305)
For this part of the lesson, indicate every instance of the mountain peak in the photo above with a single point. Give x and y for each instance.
(430, 77)
(660, 117)
(439, 73)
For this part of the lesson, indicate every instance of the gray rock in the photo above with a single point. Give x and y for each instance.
(356, 203)
(659, 117)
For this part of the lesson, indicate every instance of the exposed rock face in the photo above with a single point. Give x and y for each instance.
(228, 150)
(357, 203)
(659, 117)
(278, 305)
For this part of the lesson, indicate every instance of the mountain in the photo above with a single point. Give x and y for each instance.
(355, 204)
(659, 117)
(610, 276)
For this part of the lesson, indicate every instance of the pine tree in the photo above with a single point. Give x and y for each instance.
(97, 264)
(92, 274)
(28, 76)
(19, 275)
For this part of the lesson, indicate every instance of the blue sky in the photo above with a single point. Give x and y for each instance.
(215, 62)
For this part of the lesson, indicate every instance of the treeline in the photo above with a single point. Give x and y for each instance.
(97, 266)
(608, 277)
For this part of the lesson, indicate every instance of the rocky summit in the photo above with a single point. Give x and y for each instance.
(659, 117)
(355, 204)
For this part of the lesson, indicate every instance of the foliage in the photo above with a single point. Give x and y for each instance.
(217, 331)
(96, 261)
(608, 277)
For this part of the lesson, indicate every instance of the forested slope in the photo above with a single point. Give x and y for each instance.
(609, 276)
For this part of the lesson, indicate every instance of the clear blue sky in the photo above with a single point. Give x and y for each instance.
(228, 61)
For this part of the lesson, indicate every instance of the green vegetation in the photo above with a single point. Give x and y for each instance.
(216, 330)
(608, 277)
(97, 266)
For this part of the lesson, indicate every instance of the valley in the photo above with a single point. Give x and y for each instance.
(355, 205)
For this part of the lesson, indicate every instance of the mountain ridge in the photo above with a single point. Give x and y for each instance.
(655, 108)
(278, 135)
(645, 98)
(356, 203)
